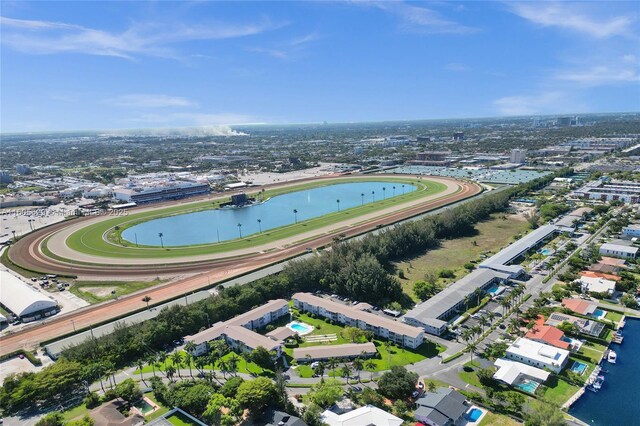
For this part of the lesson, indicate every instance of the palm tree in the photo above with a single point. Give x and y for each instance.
(491, 316)
(224, 367)
(371, 366)
(232, 363)
(346, 372)
(140, 365)
(373, 194)
(338, 201)
(199, 362)
(362, 199)
(295, 214)
(240, 229)
(467, 335)
(506, 304)
(403, 189)
(319, 369)
(384, 193)
(333, 363)
(394, 190)
(146, 299)
(161, 360)
(171, 371)
(467, 300)
(151, 360)
(188, 359)
(260, 225)
(483, 322)
(100, 373)
(160, 234)
(357, 364)
(471, 347)
(176, 359)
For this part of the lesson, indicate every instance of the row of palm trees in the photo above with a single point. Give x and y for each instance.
(357, 365)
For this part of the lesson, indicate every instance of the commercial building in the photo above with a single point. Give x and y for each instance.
(402, 334)
(432, 158)
(514, 373)
(619, 248)
(501, 261)
(444, 407)
(23, 301)
(434, 314)
(238, 332)
(625, 191)
(537, 354)
(586, 326)
(631, 231)
(348, 350)
(363, 416)
(169, 191)
(518, 156)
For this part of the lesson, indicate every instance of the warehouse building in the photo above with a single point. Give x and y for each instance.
(23, 301)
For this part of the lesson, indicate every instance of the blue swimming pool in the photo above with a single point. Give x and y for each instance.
(578, 367)
(211, 226)
(300, 327)
(473, 415)
(599, 313)
(528, 386)
(494, 290)
(546, 251)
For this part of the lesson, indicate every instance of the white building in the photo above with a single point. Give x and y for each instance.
(398, 332)
(23, 301)
(631, 231)
(363, 416)
(512, 372)
(619, 248)
(597, 285)
(537, 354)
(518, 156)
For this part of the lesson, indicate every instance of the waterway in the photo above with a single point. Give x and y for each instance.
(212, 226)
(617, 403)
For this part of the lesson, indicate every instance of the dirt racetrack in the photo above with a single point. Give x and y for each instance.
(27, 254)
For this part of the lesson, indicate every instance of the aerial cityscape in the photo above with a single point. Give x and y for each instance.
(319, 213)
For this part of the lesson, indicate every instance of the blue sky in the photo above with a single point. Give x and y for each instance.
(110, 65)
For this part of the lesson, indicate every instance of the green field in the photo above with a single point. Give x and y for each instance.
(100, 291)
(91, 240)
(492, 235)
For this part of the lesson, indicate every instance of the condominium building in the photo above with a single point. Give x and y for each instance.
(402, 334)
(238, 332)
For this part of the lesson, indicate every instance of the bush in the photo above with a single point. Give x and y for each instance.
(447, 273)
(92, 400)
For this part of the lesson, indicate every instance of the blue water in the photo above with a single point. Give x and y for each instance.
(528, 386)
(299, 327)
(546, 252)
(578, 367)
(222, 225)
(598, 313)
(473, 415)
(617, 402)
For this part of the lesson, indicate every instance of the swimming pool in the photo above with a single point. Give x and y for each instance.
(144, 406)
(528, 386)
(473, 415)
(578, 367)
(495, 290)
(599, 313)
(546, 252)
(300, 327)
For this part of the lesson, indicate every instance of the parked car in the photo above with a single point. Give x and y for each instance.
(415, 394)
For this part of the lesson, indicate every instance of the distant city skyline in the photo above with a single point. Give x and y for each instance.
(128, 65)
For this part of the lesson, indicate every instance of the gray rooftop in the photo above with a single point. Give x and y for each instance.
(500, 261)
(447, 401)
(428, 312)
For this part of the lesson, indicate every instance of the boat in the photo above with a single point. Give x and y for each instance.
(597, 384)
(611, 357)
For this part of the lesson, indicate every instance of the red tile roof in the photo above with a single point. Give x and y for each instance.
(547, 334)
(594, 274)
(580, 306)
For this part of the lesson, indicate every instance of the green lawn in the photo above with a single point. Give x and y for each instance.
(90, 239)
(178, 419)
(159, 412)
(242, 367)
(557, 391)
(491, 419)
(492, 235)
(100, 291)
(613, 316)
(470, 376)
(388, 356)
(75, 412)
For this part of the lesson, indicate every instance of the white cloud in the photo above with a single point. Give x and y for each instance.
(154, 39)
(601, 75)
(192, 119)
(457, 67)
(543, 103)
(216, 130)
(139, 100)
(568, 16)
(419, 19)
(288, 49)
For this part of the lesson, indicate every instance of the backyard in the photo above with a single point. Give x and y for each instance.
(491, 236)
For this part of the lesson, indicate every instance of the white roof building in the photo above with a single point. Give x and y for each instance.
(363, 416)
(619, 248)
(23, 300)
(598, 285)
(537, 354)
(511, 372)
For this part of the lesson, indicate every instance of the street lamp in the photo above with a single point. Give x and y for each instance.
(373, 194)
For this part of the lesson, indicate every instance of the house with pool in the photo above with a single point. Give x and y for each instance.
(386, 328)
(239, 332)
(516, 374)
(537, 354)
